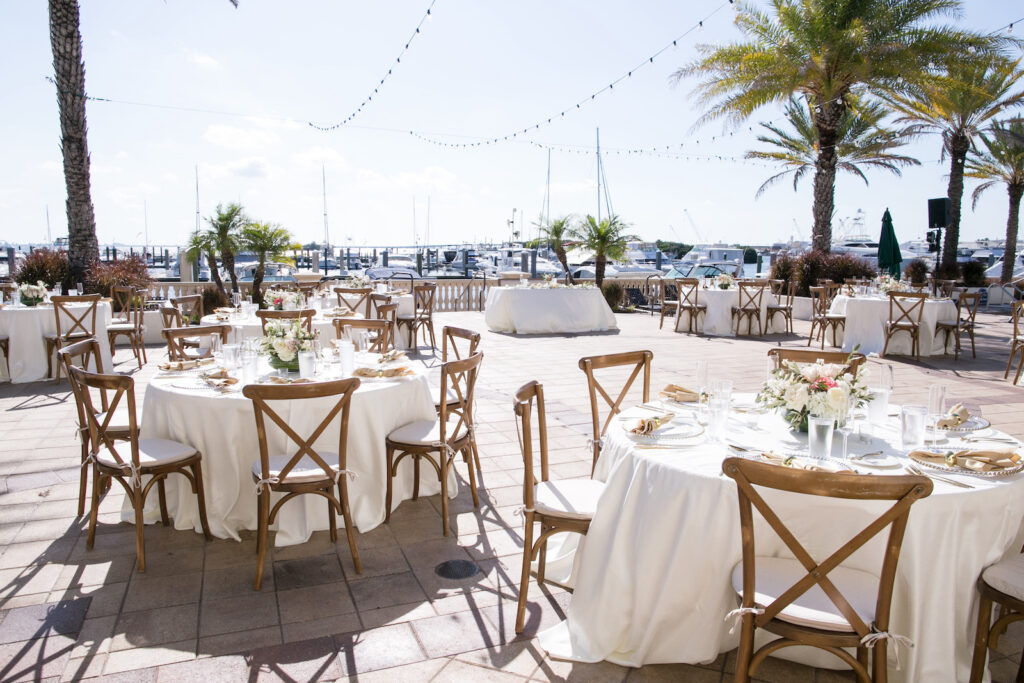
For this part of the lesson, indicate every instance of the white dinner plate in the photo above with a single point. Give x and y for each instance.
(883, 461)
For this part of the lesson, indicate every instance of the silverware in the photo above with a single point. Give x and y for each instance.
(914, 469)
(741, 449)
(867, 455)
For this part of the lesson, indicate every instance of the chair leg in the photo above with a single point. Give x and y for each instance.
(974, 353)
(94, 511)
(467, 454)
(387, 495)
(524, 580)
(162, 495)
(885, 347)
(83, 476)
(745, 650)
(346, 517)
(49, 358)
(1009, 361)
(140, 528)
(142, 345)
(476, 459)
(262, 513)
(332, 520)
(415, 476)
(445, 461)
(1020, 365)
(542, 556)
(981, 639)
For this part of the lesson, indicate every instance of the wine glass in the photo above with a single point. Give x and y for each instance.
(216, 346)
(936, 408)
(701, 381)
(844, 421)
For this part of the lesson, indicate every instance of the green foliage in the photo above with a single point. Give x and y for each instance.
(749, 255)
(48, 265)
(606, 238)
(811, 266)
(267, 241)
(214, 297)
(916, 271)
(613, 293)
(102, 276)
(948, 271)
(674, 249)
(973, 273)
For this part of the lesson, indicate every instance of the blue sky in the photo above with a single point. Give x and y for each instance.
(479, 69)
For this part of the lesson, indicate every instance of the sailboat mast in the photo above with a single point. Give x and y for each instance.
(327, 234)
(598, 176)
(197, 198)
(49, 240)
(426, 239)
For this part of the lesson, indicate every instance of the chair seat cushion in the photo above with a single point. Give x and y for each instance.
(152, 452)
(121, 327)
(780, 307)
(306, 469)
(452, 398)
(424, 433)
(835, 317)
(1007, 576)
(120, 421)
(775, 575)
(903, 324)
(570, 498)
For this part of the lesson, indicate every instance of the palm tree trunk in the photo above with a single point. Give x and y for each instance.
(211, 258)
(563, 259)
(69, 72)
(228, 257)
(1012, 222)
(599, 261)
(959, 144)
(826, 120)
(257, 280)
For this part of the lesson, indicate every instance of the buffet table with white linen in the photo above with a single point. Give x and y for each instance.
(865, 325)
(25, 326)
(718, 321)
(220, 424)
(653, 583)
(544, 310)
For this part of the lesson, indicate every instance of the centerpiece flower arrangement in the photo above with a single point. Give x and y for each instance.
(819, 389)
(32, 295)
(282, 344)
(887, 284)
(281, 300)
(724, 280)
(357, 281)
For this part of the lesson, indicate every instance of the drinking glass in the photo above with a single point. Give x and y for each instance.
(769, 368)
(819, 436)
(701, 380)
(307, 364)
(79, 288)
(886, 378)
(236, 299)
(718, 409)
(912, 423)
(230, 354)
(844, 421)
(722, 389)
(215, 346)
(347, 357)
(936, 408)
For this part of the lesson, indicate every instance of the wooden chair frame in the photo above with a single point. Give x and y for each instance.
(689, 303)
(423, 294)
(905, 318)
(987, 633)
(134, 318)
(78, 330)
(261, 395)
(667, 302)
(378, 343)
(461, 376)
(821, 318)
(361, 295)
(853, 361)
(523, 405)
(306, 315)
(1017, 343)
(751, 296)
(449, 335)
(129, 474)
(389, 312)
(121, 295)
(784, 292)
(641, 360)
(5, 347)
(191, 307)
(963, 323)
(376, 301)
(179, 339)
(904, 491)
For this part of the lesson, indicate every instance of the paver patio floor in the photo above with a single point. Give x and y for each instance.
(67, 613)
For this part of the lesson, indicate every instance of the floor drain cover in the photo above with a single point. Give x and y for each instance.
(456, 569)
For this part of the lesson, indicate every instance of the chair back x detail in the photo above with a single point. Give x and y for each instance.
(180, 339)
(305, 315)
(73, 324)
(378, 343)
(853, 361)
(640, 361)
(355, 298)
(191, 307)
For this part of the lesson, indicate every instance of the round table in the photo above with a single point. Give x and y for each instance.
(865, 325)
(25, 326)
(222, 427)
(653, 580)
(718, 320)
(547, 310)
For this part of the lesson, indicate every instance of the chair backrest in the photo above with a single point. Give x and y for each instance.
(98, 421)
(262, 395)
(308, 288)
(967, 306)
(171, 317)
(381, 327)
(356, 298)
(121, 296)
(1018, 319)
(852, 361)
(640, 361)
(784, 291)
(906, 307)
(305, 315)
(751, 294)
(175, 337)
(903, 490)
(946, 287)
(191, 307)
(688, 290)
(528, 395)
(448, 336)
(82, 354)
(376, 301)
(75, 320)
(423, 298)
(831, 290)
(669, 291)
(136, 308)
(916, 287)
(819, 302)
(458, 379)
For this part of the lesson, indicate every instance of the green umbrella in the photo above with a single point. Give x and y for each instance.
(889, 256)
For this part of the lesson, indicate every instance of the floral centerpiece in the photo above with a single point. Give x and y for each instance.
(887, 284)
(281, 300)
(724, 280)
(32, 295)
(282, 343)
(819, 389)
(357, 281)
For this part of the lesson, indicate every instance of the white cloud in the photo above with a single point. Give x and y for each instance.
(201, 59)
(571, 186)
(241, 139)
(246, 167)
(317, 155)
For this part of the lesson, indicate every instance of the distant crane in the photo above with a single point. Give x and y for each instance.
(799, 232)
(697, 232)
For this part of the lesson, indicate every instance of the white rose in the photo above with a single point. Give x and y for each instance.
(811, 372)
(283, 350)
(795, 397)
(834, 398)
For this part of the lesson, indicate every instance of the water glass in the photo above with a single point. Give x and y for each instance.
(347, 358)
(819, 436)
(307, 364)
(886, 378)
(701, 380)
(722, 389)
(912, 423)
(718, 411)
(844, 421)
(79, 288)
(878, 406)
(936, 408)
(236, 299)
(215, 345)
(230, 354)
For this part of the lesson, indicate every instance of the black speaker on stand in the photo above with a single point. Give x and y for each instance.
(939, 217)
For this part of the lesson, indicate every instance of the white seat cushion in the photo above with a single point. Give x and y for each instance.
(119, 422)
(813, 609)
(152, 452)
(571, 498)
(451, 395)
(121, 327)
(1007, 576)
(305, 469)
(425, 433)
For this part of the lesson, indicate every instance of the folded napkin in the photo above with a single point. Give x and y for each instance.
(798, 463)
(388, 372)
(184, 364)
(223, 309)
(648, 425)
(679, 394)
(956, 416)
(340, 312)
(219, 373)
(274, 379)
(989, 459)
(392, 355)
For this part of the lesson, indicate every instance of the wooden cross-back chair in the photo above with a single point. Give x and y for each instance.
(821, 319)
(641, 364)
(132, 327)
(558, 506)
(121, 298)
(355, 298)
(450, 338)
(376, 301)
(439, 441)
(380, 331)
(1001, 583)
(307, 289)
(751, 296)
(966, 311)
(184, 343)
(74, 323)
(688, 303)
(389, 312)
(810, 602)
(784, 292)
(1017, 343)
(191, 307)
(852, 361)
(669, 298)
(423, 314)
(307, 470)
(905, 309)
(921, 287)
(401, 282)
(304, 315)
(128, 463)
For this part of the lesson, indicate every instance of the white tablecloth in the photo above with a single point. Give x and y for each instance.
(223, 429)
(653, 574)
(718, 320)
(865, 325)
(25, 328)
(522, 310)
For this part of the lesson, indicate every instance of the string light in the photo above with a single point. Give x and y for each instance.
(380, 84)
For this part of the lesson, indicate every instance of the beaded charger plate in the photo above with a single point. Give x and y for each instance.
(957, 469)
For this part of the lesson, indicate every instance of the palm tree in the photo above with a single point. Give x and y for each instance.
(224, 230)
(557, 234)
(862, 141)
(827, 50)
(957, 107)
(266, 240)
(1002, 161)
(605, 238)
(202, 244)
